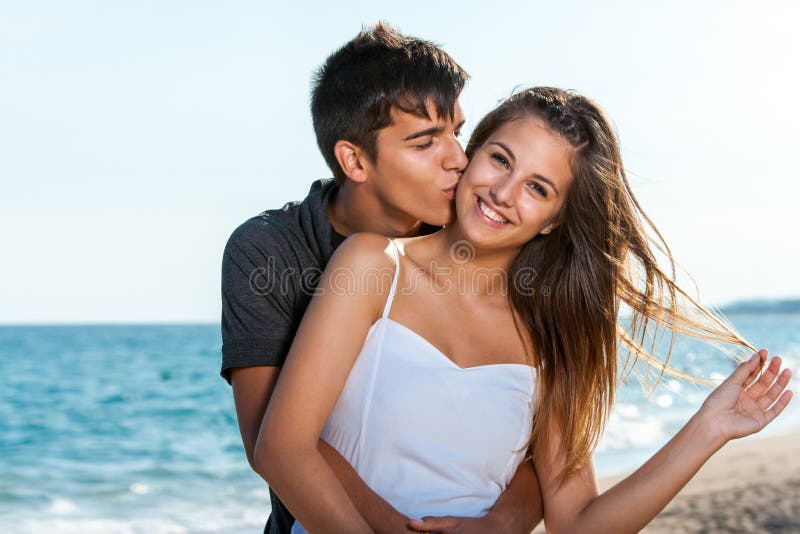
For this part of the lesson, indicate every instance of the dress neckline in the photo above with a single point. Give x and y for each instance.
(449, 360)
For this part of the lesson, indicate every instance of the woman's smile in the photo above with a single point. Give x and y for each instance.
(489, 214)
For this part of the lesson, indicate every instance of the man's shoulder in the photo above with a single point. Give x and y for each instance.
(264, 235)
(266, 227)
(288, 231)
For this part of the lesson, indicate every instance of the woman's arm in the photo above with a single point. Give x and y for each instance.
(732, 410)
(349, 299)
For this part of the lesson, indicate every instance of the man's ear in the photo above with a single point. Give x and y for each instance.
(352, 160)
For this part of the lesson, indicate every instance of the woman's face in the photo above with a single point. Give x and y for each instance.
(514, 185)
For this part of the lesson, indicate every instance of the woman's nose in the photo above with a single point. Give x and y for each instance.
(502, 191)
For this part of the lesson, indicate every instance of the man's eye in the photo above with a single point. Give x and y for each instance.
(501, 159)
(423, 146)
(457, 133)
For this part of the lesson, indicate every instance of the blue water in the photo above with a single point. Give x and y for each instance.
(121, 429)
(131, 429)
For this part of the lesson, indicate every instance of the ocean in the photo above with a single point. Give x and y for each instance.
(130, 429)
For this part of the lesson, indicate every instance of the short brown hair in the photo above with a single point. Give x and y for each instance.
(354, 91)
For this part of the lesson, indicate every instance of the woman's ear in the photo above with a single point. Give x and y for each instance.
(549, 228)
(554, 223)
(352, 160)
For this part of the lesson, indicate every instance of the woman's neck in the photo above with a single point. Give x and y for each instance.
(481, 271)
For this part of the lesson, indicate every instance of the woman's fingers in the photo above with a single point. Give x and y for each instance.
(767, 378)
(752, 378)
(748, 368)
(778, 407)
(771, 395)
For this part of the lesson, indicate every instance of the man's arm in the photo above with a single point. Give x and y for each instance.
(252, 389)
(250, 314)
(519, 507)
(319, 362)
(517, 510)
(257, 330)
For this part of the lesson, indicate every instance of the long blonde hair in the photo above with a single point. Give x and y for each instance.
(601, 257)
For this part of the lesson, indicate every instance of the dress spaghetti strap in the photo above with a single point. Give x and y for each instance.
(388, 305)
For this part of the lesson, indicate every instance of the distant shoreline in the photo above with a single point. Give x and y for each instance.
(762, 306)
(783, 306)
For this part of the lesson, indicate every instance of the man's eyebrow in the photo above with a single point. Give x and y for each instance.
(544, 179)
(433, 131)
(423, 133)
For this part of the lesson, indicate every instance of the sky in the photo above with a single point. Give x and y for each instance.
(135, 136)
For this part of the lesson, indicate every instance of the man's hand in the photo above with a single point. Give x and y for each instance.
(454, 525)
(380, 515)
(518, 510)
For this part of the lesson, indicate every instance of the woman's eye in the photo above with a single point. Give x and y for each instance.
(501, 159)
(539, 188)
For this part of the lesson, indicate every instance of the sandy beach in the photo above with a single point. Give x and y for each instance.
(750, 486)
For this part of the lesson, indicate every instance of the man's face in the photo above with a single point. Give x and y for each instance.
(418, 166)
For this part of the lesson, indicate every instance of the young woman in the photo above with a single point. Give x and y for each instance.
(500, 334)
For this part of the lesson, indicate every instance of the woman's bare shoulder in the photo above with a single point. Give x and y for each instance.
(365, 249)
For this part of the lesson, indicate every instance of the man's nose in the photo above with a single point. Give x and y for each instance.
(455, 159)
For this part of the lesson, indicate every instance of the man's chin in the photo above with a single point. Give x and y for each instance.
(440, 220)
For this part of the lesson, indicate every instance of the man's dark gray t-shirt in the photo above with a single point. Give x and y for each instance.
(270, 267)
(271, 264)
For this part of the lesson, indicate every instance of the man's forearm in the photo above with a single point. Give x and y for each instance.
(252, 388)
(378, 513)
(519, 507)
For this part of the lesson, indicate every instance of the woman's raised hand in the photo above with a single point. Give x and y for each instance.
(742, 405)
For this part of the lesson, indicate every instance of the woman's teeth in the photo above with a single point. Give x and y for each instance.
(489, 212)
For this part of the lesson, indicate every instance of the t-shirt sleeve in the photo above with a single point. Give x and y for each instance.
(257, 321)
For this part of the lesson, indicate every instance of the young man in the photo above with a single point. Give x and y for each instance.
(386, 115)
